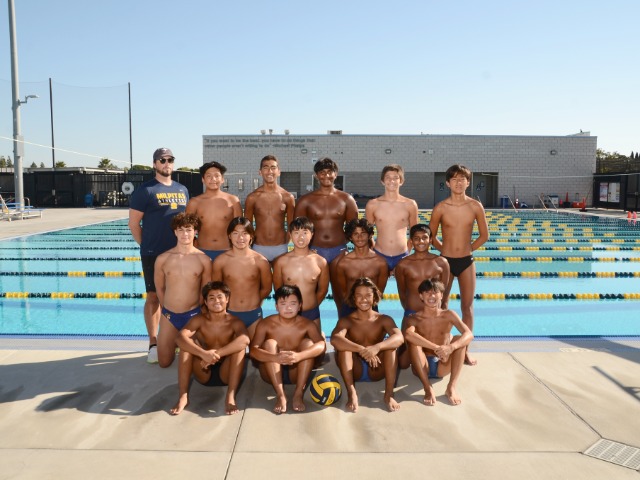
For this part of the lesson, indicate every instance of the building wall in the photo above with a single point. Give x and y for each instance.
(524, 165)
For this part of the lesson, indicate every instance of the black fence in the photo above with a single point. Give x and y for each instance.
(617, 165)
(80, 188)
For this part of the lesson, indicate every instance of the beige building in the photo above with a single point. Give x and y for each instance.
(520, 167)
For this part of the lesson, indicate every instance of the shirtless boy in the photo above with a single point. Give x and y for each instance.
(328, 208)
(303, 268)
(270, 205)
(457, 215)
(363, 352)
(247, 273)
(180, 274)
(212, 349)
(215, 208)
(286, 346)
(421, 264)
(361, 262)
(392, 214)
(434, 351)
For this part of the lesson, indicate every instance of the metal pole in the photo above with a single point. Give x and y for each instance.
(53, 150)
(18, 145)
(130, 137)
(53, 143)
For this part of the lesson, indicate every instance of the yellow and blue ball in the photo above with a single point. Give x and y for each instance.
(325, 389)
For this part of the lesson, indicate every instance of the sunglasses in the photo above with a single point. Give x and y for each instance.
(165, 160)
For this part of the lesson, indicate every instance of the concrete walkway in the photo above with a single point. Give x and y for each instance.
(59, 218)
(96, 409)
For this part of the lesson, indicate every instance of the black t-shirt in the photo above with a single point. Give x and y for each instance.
(159, 203)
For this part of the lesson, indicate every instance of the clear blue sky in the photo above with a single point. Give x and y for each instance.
(211, 67)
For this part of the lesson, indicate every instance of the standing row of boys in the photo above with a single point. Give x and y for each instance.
(234, 268)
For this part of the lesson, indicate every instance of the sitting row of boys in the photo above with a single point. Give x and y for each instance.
(286, 346)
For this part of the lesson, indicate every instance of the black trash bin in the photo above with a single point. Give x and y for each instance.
(504, 201)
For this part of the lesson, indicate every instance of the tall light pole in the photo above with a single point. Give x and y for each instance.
(130, 137)
(18, 145)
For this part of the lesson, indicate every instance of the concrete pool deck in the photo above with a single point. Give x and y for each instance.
(85, 408)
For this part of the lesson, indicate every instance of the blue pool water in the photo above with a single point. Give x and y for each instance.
(45, 264)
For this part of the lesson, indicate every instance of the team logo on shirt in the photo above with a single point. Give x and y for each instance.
(171, 199)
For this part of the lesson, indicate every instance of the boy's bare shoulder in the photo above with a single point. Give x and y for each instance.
(320, 260)
(255, 194)
(342, 195)
(372, 203)
(232, 198)
(406, 201)
(285, 193)
(164, 255)
(195, 201)
(266, 321)
(306, 198)
(283, 259)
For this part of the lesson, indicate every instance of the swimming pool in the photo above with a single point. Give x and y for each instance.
(541, 274)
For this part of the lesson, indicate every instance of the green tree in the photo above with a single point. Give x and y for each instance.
(611, 162)
(33, 165)
(3, 162)
(41, 164)
(9, 162)
(141, 167)
(187, 169)
(106, 163)
(60, 164)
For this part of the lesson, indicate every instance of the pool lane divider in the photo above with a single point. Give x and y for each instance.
(386, 296)
(478, 274)
(477, 259)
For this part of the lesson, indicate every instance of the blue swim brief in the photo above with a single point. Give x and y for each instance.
(286, 379)
(249, 317)
(213, 254)
(392, 261)
(365, 372)
(329, 253)
(179, 320)
(311, 314)
(409, 312)
(433, 366)
(271, 252)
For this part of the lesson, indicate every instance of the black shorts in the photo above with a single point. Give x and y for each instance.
(148, 264)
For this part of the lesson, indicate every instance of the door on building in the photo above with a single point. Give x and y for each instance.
(440, 189)
(632, 197)
(290, 181)
(485, 189)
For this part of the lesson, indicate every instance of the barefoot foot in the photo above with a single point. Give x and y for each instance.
(298, 402)
(281, 405)
(230, 406)
(429, 396)
(391, 403)
(469, 360)
(183, 401)
(453, 397)
(352, 401)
